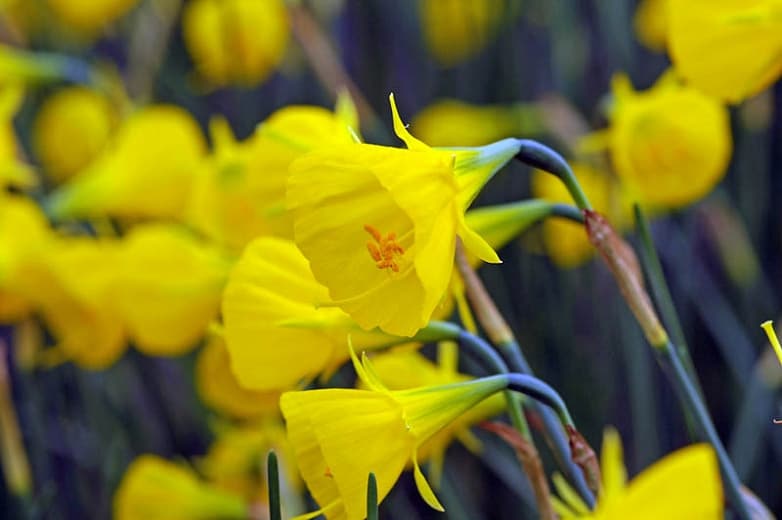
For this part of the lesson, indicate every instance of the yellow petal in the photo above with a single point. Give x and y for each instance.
(424, 488)
(401, 130)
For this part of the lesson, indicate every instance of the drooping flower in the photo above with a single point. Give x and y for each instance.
(219, 389)
(70, 285)
(70, 130)
(450, 122)
(405, 368)
(708, 37)
(24, 237)
(684, 485)
(456, 30)
(236, 460)
(89, 17)
(138, 175)
(651, 24)
(240, 194)
(156, 489)
(341, 435)
(379, 224)
(275, 333)
(168, 286)
(670, 145)
(236, 41)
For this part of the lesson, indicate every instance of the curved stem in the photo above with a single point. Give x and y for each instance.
(489, 358)
(567, 211)
(537, 389)
(544, 158)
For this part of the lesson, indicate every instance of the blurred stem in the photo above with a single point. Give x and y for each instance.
(16, 467)
(326, 63)
(273, 482)
(148, 44)
(502, 336)
(567, 211)
(691, 399)
(540, 156)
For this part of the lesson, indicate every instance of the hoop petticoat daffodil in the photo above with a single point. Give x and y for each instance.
(379, 224)
(341, 435)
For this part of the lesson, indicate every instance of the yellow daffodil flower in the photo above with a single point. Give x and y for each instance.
(146, 172)
(404, 369)
(24, 237)
(379, 224)
(651, 24)
(275, 333)
(566, 242)
(706, 38)
(685, 485)
(156, 489)
(237, 458)
(240, 195)
(70, 284)
(168, 287)
(88, 17)
(71, 129)
(450, 122)
(341, 435)
(456, 30)
(219, 389)
(236, 41)
(12, 171)
(670, 145)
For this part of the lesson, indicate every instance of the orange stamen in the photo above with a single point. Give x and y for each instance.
(384, 251)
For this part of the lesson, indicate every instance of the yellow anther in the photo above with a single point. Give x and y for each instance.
(768, 327)
(384, 250)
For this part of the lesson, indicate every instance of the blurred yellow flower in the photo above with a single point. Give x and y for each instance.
(685, 485)
(70, 284)
(219, 389)
(156, 489)
(729, 49)
(404, 368)
(566, 242)
(670, 145)
(70, 130)
(456, 30)
(168, 287)
(651, 23)
(275, 333)
(89, 17)
(379, 224)
(24, 237)
(236, 461)
(341, 435)
(240, 194)
(450, 122)
(146, 171)
(236, 41)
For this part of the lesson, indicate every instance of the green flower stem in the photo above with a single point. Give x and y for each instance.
(273, 483)
(661, 292)
(372, 510)
(544, 158)
(691, 400)
(567, 211)
(492, 361)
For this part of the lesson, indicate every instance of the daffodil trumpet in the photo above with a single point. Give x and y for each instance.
(544, 158)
